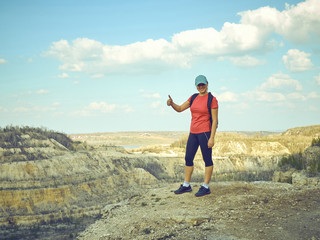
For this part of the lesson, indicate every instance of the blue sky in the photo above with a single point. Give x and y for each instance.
(98, 66)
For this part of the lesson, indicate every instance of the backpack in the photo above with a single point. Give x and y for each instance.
(210, 97)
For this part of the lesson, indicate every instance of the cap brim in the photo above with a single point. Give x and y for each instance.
(203, 82)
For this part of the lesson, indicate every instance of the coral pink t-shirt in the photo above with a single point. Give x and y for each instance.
(200, 121)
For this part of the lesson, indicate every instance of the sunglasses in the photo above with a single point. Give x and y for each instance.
(201, 84)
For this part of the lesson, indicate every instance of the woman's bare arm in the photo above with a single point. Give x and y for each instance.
(176, 107)
(214, 114)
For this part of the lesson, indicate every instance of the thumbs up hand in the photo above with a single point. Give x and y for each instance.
(169, 101)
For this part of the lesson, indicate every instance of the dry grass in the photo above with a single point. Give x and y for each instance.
(295, 140)
(128, 138)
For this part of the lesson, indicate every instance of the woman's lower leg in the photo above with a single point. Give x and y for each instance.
(208, 174)
(188, 173)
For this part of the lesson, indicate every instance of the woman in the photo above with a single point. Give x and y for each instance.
(202, 134)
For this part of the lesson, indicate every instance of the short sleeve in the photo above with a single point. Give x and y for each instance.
(214, 103)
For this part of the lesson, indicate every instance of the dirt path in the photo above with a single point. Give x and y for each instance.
(234, 210)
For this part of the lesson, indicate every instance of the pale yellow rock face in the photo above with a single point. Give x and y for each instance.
(65, 183)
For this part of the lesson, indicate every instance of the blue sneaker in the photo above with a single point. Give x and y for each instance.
(183, 189)
(203, 191)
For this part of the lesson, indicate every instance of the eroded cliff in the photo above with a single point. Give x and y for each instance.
(52, 187)
(44, 182)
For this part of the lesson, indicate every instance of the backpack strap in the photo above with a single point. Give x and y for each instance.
(210, 97)
(193, 97)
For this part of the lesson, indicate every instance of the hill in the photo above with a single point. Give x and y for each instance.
(52, 187)
(312, 131)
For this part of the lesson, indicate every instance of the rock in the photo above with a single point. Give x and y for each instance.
(198, 220)
(301, 179)
(283, 177)
(193, 220)
(59, 145)
(298, 178)
(105, 236)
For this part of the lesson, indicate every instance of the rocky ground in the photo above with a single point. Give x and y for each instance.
(234, 210)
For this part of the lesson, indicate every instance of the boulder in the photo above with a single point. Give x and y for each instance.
(283, 177)
(300, 178)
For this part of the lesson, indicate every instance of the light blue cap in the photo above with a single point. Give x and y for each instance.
(201, 79)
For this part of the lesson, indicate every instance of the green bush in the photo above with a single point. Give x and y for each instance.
(11, 136)
(314, 167)
(298, 162)
(316, 142)
(292, 161)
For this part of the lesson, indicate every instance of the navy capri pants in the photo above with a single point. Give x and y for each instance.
(194, 141)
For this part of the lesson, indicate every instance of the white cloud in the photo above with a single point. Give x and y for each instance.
(263, 96)
(55, 104)
(299, 24)
(296, 96)
(313, 95)
(33, 109)
(63, 75)
(101, 107)
(227, 97)
(297, 61)
(270, 96)
(317, 78)
(42, 91)
(279, 89)
(97, 108)
(2, 61)
(281, 81)
(76, 82)
(233, 38)
(92, 56)
(72, 67)
(302, 22)
(127, 108)
(98, 75)
(253, 34)
(265, 18)
(246, 61)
